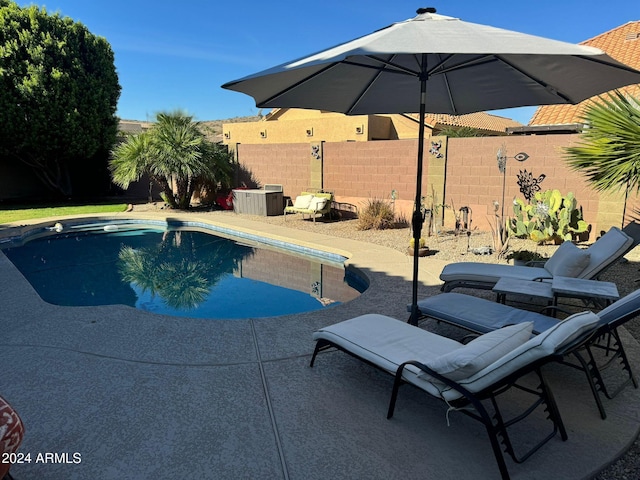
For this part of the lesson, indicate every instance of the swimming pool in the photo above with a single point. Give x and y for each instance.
(179, 269)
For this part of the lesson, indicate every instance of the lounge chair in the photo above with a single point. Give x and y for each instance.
(310, 204)
(480, 315)
(567, 261)
(465, 375)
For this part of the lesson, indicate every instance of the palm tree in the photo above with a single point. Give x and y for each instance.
(177, 157)
(609, 150)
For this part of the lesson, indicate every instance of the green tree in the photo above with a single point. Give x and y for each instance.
(461, 132)
(58, 95)
(176, 156)
(608, 152)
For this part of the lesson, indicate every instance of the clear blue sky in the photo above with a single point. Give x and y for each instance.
(172, 55)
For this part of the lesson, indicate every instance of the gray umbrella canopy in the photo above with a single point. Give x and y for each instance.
(468, 68)
(437, 64)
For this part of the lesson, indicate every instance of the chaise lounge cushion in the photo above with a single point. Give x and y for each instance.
(479, 314)
(317, 203)
(607, 249)
(303, 201)
(568, 261)
(490, 272)
(539, 346)
(385, 341)
(388, 343)
(621, 310)
(481, 352)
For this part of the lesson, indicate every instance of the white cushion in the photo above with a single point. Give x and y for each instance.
(386, 342)
(489, 272)
(623, 308)
(568, 261)
(537, 347)
(317, 203)
(481, 352)
(608, 248)
(302, 201)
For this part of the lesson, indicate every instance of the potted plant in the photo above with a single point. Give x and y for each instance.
(524, 257)
(423, 250)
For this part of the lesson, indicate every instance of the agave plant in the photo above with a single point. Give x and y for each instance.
(608, 153)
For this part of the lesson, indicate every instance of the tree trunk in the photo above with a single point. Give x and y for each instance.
(53, 174)
(165, 188)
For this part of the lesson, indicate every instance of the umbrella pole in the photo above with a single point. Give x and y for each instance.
(417, 219)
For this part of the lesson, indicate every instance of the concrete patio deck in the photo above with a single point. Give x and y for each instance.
(141, 396)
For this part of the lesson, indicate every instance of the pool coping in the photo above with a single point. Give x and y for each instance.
(357, 254)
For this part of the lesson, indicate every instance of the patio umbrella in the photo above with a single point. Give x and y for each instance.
(437, 64)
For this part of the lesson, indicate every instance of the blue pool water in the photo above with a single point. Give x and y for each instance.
(181, 272)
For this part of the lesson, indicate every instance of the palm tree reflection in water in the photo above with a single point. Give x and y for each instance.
(179, 270)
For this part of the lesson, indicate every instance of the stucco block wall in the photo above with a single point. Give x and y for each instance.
(469, 176)
(474, 180)
(372, 170)
(284, 164)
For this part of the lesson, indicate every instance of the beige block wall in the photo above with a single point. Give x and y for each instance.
(474, 180)
(285, 164)
(358, 171)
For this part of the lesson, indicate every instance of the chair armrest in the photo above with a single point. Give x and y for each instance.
(542, 279)
(536, 263)
(436, 376)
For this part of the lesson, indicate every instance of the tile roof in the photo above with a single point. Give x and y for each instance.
(133, 126)
(621, 43)
(479, 120)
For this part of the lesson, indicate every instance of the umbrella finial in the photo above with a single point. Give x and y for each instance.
(420, 11)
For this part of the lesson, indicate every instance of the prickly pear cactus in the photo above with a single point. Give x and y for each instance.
(550, 217)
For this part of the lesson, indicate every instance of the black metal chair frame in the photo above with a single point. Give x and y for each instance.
(606, 339)
(495, 425)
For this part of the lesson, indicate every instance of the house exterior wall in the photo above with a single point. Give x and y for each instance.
(304, 126)
(295, 125)
(467, 175)
(303, 130)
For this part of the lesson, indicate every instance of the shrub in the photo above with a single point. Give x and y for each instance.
(525, 256)
(376, 215)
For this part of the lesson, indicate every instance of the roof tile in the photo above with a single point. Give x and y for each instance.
(621, 43)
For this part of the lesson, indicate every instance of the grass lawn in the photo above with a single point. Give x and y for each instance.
(16, 213)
